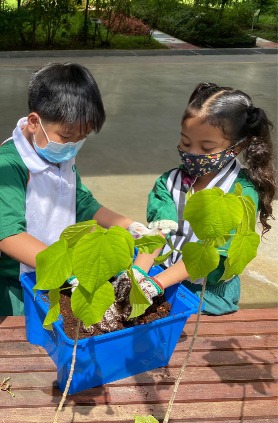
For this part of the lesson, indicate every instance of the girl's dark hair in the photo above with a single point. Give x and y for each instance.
(66, 93)
(233, 112)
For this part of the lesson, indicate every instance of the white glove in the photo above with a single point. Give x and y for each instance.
(120, 310)
(73, 281)
(137, 230)
(165, 226)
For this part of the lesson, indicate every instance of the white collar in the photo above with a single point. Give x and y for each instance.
(29, 156)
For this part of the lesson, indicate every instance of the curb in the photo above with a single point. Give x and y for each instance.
(135, 53)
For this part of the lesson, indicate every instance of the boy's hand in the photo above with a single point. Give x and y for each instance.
(137, 230)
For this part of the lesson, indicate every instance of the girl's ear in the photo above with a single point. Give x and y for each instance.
(32, 122)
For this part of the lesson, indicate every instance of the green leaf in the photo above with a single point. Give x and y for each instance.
(54, 266)
(219, 242)
(242, 250)
(213, 214)
(54, 311)
(137, 298)
(249, 215)
(72, 234)
(238, 189)
(145, 419)
(102, 254)
(90, 308)
(199, 259)
(163, 257)
(148, 244)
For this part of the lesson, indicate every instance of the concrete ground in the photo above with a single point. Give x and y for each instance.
(144, 94)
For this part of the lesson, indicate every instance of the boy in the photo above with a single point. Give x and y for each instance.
(41, 191)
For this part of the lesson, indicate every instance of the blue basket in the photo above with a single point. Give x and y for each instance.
(112, 356)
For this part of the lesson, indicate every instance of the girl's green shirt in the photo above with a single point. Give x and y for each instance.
(162, 206)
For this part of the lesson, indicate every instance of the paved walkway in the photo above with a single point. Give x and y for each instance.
(175, 43)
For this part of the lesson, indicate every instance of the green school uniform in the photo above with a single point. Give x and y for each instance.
(14, 177)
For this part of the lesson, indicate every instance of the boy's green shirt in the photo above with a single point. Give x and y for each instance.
(14, 177)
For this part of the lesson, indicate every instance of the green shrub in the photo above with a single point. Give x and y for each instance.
(215, 29)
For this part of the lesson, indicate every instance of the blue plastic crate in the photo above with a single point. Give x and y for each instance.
(112, 356)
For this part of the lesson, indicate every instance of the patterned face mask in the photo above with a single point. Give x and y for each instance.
(203, 164)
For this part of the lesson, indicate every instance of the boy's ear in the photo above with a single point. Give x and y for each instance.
(32, 122)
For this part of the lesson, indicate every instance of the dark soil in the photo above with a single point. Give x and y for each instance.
(160, 308)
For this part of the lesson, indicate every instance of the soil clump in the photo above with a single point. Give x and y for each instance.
(159, 309)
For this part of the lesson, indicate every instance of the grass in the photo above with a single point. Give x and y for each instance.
(267, 28)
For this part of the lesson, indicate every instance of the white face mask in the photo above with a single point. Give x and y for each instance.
(55, 152)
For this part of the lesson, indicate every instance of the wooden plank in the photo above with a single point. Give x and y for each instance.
(163, 375)
(183, 413)
(242, 315)
(26, 364)
(222, 342)
(210, 358)
(225, 358)
(233, 328)
(133, 395)
(189, 392)
(51, 397)
(20, 348)
(31, 380)
(12, 334)
(12, 321)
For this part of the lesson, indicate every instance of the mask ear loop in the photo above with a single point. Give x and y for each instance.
(40, 123)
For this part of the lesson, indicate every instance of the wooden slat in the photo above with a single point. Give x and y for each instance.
(51, 397)
(163, 375)
(13, 334)
(10, 348)
(26, 364)
(225, 358)
(12, 321)
(183, 413)
(32, 380)
(236, 328)
(242, 315)
(223, 342)
(188, 393)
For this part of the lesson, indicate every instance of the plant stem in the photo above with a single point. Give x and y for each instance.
(186, 360)
(70, 374)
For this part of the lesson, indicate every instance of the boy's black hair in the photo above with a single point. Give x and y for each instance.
(66, 93)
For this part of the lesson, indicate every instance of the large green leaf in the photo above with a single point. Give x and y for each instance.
(213, 214)
(72, 234)
(147, 244)
(54, 311)
(102, 254)
(199, 259)
(242, 250)
(54, 266)
(90, 308)
(137, 298)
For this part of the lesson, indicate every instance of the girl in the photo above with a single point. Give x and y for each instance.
(218, 124)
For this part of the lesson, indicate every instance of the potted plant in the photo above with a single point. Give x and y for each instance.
(94, 255)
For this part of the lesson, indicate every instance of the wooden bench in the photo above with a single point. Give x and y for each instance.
(231, 377)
